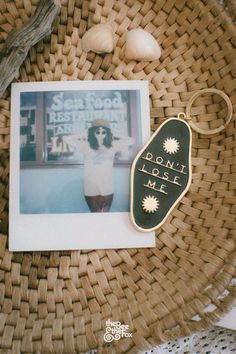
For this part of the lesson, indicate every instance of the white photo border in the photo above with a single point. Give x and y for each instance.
(39, 232)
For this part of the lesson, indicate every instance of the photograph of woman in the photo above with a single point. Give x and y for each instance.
(74, 143)
(99, 146)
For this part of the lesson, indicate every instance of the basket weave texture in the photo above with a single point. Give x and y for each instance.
(59, 301)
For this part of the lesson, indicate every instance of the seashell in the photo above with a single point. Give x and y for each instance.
(98, 39)
(141, 46)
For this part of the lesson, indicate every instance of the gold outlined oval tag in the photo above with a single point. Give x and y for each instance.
(161, 174)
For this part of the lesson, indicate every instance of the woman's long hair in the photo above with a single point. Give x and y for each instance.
(108, 138)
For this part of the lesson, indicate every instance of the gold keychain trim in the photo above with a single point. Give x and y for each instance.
(193, 125)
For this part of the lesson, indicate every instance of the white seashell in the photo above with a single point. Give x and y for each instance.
(141, 46)
(99, 39)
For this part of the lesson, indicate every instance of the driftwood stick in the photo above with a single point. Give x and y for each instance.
(20, 41)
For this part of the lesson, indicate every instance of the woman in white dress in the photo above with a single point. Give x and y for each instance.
(99, 149)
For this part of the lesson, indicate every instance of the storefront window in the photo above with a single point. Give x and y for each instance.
(56, 114)
(27, 128)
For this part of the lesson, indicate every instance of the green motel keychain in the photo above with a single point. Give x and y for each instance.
(161, 172)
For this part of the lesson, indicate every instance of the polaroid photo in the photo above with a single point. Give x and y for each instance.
(72, 146)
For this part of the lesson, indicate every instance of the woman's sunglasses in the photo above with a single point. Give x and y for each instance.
(100, 132)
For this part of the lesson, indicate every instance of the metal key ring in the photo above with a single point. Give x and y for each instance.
(194, 126)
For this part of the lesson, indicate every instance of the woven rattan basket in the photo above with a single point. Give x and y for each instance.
(59, 301)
